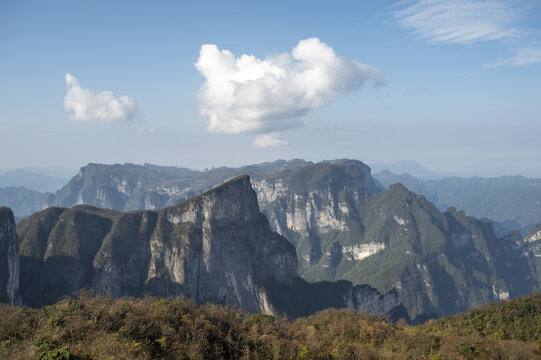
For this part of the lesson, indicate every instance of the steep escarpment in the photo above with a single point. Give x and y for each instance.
(343, 225)
(439, 263)
(112, 186)
(9, 258)
(532, 243)
(149, 187)
(216, 247)
(316, 205)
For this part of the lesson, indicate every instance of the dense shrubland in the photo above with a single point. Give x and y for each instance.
(150, 328)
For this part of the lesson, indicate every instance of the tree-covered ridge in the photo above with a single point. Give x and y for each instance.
(176, 328)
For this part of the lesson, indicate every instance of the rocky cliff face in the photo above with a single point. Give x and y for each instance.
(345, 228)
(9, 258)
(113, 186)
(149, 187)
(532, 243)
(341, 222)
(440, 264)
(313, 205)
(215, 247)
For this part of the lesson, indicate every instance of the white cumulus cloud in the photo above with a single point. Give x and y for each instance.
(269, 140)
(250, 95)
(88, 105)
(458, 21)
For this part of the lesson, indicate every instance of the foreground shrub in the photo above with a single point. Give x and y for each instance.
(176, 328)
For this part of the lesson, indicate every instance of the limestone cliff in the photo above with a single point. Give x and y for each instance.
(215, 247)
(315, 204)
(9, 258)
(532, 242)
(343, 225)
(439, 263)
(345, 228)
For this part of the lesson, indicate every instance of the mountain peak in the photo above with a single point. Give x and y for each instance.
(6, 214)
(399, 188)
(233, 199)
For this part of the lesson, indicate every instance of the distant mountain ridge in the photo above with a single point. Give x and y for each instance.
(31, 180)
(23, 201)
(131, 187)
(513, 201)
(407, 167)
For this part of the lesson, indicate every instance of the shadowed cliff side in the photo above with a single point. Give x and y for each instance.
(9, 258)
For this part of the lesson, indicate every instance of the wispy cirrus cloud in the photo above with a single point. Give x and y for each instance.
(523, 56)
(458, 21)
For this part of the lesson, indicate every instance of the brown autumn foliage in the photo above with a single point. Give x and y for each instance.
(176, 328)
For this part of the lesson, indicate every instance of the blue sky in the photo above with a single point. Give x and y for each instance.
(454, 85)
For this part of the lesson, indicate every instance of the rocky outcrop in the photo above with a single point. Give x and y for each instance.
(314, 204)
(532, 243)
(9, 258)
(150, 187)
(345, 228)
(439, 263)
(343, 225)
(216, 247)
(364, 298)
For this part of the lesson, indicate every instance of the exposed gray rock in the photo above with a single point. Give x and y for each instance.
(9, 258)
(364, 298)
(216, 247)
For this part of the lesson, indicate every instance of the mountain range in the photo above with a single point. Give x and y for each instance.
(32, 179)
(215, 247)
(513, 202)
(345, 228)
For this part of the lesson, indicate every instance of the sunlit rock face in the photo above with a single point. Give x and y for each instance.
(9, 258)
(395, 241)
(311, 205)
(532, 243)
